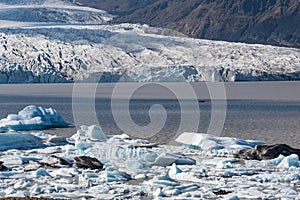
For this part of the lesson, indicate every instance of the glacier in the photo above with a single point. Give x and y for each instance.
(60, 42)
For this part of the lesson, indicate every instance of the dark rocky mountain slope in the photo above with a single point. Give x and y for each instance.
(275, 22)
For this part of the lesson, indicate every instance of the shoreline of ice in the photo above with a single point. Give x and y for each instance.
(136, 168)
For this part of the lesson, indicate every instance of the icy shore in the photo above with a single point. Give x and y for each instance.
(134, 168)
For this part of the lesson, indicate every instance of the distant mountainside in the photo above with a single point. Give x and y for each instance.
(275, 22)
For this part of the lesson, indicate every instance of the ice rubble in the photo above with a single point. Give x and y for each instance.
(33, 118)
(66, 49)
(130, 171)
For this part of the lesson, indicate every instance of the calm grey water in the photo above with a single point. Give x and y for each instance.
(265, 111)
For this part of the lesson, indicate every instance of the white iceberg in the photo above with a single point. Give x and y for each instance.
(215, 144)
(19, 141)
(33, 118)
(289, 161)
(113, 175)
(40, 172)
(280, 162)
(264, 163)
(163, 181)
(166, 159)
(86, 136)
(93, 133)
(16, 160)
(178, 175)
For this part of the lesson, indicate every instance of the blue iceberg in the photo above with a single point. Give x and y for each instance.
(19, 141)
(33, 118)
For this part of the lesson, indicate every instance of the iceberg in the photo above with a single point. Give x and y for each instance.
(178, 175)
(164, 180)
(19, 141)
(280, 162)
(215, 144)
(113, 175)
(41, 172)
(289, 161)
(33, 118)
(94, 133)
(166, 159)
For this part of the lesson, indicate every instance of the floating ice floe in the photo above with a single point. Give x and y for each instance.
(86, 136)
(19, 141)
(214, 144)
(289, 161)
(280, 162)
(166, 159)
(113, 175)
(33, 118)
(179, 175)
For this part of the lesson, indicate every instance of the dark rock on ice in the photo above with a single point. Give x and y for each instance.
(267, 151)
(2, 167)
(86, 162)
(221, 192)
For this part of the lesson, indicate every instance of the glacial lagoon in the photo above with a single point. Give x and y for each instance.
(267, 111)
